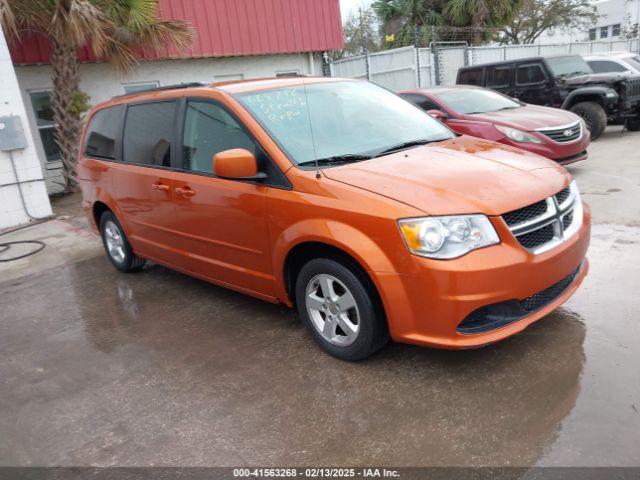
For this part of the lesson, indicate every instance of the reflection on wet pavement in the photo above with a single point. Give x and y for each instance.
(103, 368)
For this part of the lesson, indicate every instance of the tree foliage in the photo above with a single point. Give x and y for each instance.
(112, 29)
(409, 20)
(360, 34)
(537, 16)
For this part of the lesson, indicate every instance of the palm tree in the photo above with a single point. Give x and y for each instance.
(480, 14)
(113, 29)
(407, 18)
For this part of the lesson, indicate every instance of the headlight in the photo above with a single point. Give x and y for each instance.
(447, 237)
(518, 135)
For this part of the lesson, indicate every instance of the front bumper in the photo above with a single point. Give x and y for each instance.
(428, 307)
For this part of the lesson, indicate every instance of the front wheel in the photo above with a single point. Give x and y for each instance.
(117, 246)
(633, 124)
(340, 310)
(593, 115)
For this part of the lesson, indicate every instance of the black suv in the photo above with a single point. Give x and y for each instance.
(564, 82)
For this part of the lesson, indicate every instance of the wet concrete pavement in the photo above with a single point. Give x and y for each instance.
(156, 368)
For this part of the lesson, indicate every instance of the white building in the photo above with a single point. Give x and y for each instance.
(26, 180)
(233, 40)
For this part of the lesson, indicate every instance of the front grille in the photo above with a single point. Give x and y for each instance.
(537, 237)
(562, 195)
(497, 315)
(541, 225)
(632, 91)
(525, 214)
(564, 134)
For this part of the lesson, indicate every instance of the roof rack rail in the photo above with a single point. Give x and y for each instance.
(175, 86)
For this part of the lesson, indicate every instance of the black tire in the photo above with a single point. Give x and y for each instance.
(594, 116)
(130, 261)
(372, 333)
(633, 124)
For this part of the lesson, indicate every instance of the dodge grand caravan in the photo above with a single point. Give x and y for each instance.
(339, 198)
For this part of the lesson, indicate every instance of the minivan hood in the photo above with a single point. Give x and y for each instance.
(528, 117)
(457, 176)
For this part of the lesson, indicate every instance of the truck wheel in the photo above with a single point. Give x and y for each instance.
(594, 116)
(633, 124)
(340, 310)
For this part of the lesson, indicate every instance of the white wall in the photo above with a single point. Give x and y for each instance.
(101, 81)
(11, 210)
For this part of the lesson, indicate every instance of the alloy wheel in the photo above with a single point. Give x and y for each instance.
(332, 309)
(115, 241)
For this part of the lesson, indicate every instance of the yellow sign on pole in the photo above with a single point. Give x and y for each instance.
(389, 38)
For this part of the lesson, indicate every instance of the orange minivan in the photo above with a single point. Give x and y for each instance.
(338, 198)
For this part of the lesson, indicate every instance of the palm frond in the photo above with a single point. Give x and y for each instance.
(81, 22)
(8, 19)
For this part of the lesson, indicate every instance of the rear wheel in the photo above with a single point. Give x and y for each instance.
(340, 310)
(633, 124)
(594, 116)
(117, 246)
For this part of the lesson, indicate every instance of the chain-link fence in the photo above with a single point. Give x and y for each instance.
(419, 67)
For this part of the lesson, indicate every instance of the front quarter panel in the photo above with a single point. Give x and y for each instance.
(360, 223)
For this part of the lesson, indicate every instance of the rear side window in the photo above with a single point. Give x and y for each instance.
(103, 132)
(421, 101)
(529, 74)
(209, 129)
(149, 133)
(471, 77)
(498, 77)
(605, 66)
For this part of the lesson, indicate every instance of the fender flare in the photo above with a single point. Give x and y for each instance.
(335, 234)
(595, 91)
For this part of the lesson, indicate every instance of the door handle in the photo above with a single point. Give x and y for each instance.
(161, 187)
(185, 191)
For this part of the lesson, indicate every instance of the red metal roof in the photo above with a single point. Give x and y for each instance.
(228, 28)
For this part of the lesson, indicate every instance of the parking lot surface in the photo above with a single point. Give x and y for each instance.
(156, 368)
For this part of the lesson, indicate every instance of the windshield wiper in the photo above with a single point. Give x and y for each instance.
(405, 145)
(347, 158)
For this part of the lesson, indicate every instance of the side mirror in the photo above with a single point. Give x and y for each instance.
(236, 163)
(438, 114)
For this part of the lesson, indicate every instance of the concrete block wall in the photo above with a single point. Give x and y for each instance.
(27, 161)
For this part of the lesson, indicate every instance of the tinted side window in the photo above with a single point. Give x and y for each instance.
(209, 129)
(149, 133)
(421, 101)
(498, 76)
(604, 66)
(529, 74)
(471, 77)
(103, 132)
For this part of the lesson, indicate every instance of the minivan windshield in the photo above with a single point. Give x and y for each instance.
(340, 121)
(568, 66)
(475, 100)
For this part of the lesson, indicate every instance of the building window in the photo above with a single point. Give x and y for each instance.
(592, 33)
(140, 86)
(604, 32)
(288, 73)
(43, 111)
(615, 30)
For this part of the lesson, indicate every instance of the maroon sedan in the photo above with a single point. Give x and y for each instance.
(553, 133)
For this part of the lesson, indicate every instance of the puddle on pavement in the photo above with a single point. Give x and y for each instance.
(240, 378)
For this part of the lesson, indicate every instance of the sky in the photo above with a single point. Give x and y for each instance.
(347, 6)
